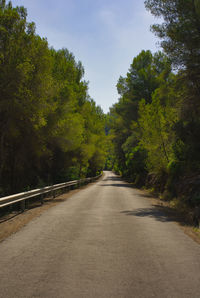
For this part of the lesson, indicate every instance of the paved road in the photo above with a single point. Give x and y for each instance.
(105, 241)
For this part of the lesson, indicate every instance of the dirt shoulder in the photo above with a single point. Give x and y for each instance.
(12, 222)
(175, 215)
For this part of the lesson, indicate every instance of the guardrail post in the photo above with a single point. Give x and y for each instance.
(27, 204)
(42, 199)
(23, 205)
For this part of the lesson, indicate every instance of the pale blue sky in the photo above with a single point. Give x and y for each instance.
(104, 35)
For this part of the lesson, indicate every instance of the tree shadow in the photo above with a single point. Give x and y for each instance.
(157, 212)
(118, 185)
(7, 217)
(145, 195)
(112, 178)
(116, 179)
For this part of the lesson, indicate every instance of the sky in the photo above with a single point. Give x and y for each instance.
(105, 35)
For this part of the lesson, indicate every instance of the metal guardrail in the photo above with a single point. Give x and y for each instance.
(23, 196)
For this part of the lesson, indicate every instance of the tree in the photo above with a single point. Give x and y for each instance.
(180, 35)
(180, 30)
(156, 124)
(50, 129)
(145, 75)
(25, 85)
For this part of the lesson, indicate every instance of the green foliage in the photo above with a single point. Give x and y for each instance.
(146, 74)
(154, 127)
(50, 130)
(179, 31)
(156, 124)
(180, 39)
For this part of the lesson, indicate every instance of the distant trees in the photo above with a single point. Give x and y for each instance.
(50, 129)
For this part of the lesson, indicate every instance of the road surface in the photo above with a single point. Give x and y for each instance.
(105, 241)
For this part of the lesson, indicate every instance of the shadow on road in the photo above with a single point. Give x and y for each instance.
(112, 178)
(149, 212)
(159, 213)
(118, 185)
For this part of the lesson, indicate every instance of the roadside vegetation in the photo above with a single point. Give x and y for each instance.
(51, 131)
(154, 128)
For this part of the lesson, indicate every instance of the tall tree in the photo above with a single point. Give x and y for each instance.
(50, 129)
(145, 75)
(180, 35)
(25, 85)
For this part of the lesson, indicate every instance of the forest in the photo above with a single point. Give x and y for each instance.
(154, 128)
(51, 131)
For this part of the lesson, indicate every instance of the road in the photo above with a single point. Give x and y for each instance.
(107, 240)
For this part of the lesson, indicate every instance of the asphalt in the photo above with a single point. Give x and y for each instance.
(105, 241)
